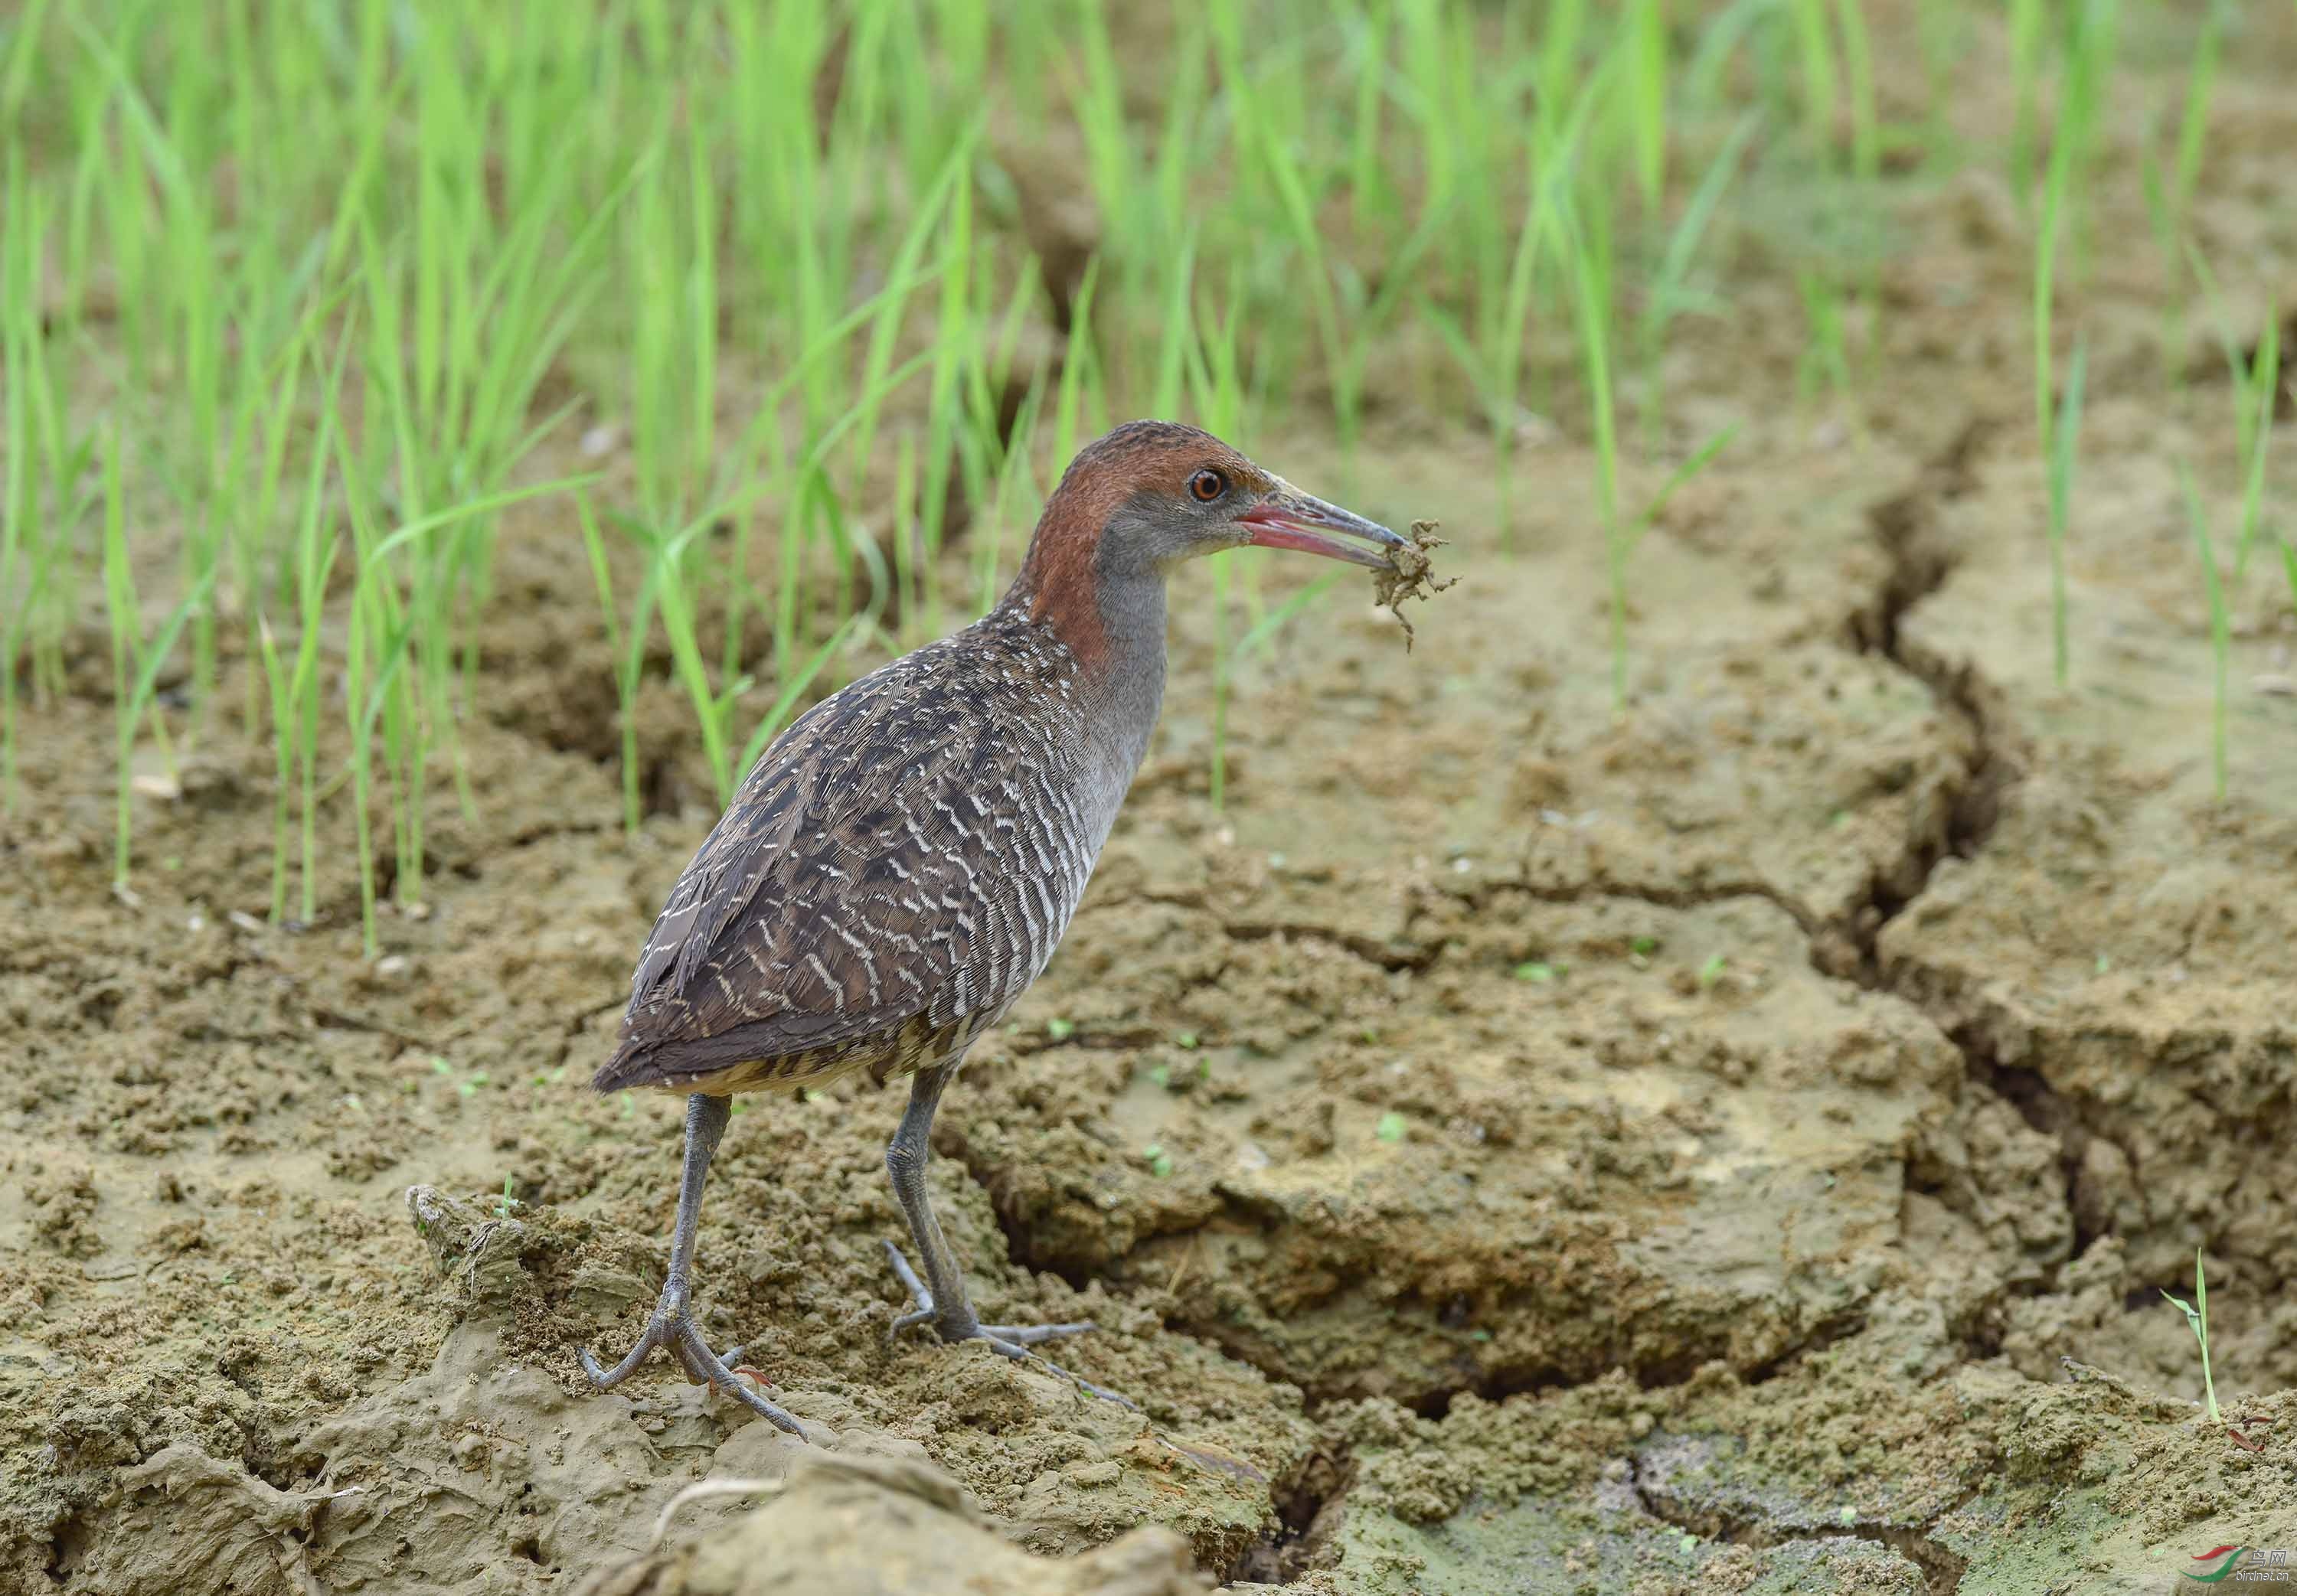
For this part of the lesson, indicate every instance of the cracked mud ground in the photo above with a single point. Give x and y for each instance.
(1733, 1146)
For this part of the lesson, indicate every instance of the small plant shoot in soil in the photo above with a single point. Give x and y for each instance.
(2197, 1318)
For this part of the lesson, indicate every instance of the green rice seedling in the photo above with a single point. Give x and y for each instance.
(2168, 196)
(30, 542)
(1858, 70)
(2259, 395)
(2076, 114)
(135, 664)
(381, 656)
(2221, 626)
(294, 685)
(1668, 295)
(2197, 1319)
(1697, 461)
(1824, 365)
(2028, 34)
(2089, 51)
(1590, 266)
(16, 73)
(2065, 441)
(1646, 46)
(1494, 356)
(1700, 85)
(627, 651)
(1821, 77)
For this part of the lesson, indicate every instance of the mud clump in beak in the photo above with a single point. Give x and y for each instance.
(1409, 574)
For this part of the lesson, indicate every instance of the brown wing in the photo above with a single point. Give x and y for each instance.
(911, 850)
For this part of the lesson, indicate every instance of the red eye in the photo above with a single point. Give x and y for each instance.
(1206, 486)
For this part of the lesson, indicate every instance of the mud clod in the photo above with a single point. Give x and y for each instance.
(861, 1525)
(1409, 575)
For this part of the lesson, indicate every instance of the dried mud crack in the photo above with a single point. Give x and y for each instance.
(1906, 527)
(1942, 1568)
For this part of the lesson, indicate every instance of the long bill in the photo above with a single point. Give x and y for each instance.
(1288, 518)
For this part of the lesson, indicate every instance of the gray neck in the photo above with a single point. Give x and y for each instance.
(1133, 679)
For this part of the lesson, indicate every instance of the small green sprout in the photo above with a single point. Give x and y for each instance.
(2197, 1317)
(1160, 1162)
(1390, 1127)
(1184, 1039)
(1643, 947)
(1162, 1075)
(508, 1202)
(1711, 972)
(1060, 1030)
(1535, 970)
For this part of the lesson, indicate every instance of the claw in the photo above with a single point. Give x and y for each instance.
(670, 1329)
(1011, 1341)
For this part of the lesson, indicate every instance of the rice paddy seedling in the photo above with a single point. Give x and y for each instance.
(2220, 625)
(1699, 461)
(2064, 443)
(135, 662)
(2197, 1319)
(294, 683)
(2088, 53)
(2259, 395)
(1825, 362)
(2028, 29)
(2193, 123)
(1592, 288)
(2169, 187)
(1668, 294)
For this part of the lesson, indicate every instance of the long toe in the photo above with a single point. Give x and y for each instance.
(920, 1296)
(708, 1368)
(606, 1380)
(1030, 1334)
(1021, 1353)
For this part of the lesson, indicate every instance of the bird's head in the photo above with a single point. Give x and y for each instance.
(1140, 499)
(1153, 493)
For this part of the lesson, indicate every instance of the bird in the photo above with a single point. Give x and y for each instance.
(901, 862)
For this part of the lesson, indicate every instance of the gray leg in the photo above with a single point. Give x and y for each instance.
(941, 1297)
(670, 1325)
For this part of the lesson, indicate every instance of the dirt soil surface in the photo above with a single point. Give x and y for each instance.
(1735, 1145)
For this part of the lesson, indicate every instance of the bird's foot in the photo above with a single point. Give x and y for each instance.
(1012, 1341)
(670, 1326)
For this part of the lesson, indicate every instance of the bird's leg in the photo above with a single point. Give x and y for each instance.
(670, 1325)
(941, 1297)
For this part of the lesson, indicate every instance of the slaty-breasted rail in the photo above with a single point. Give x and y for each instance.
(902, 861)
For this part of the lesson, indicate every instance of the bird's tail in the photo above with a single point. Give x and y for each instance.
(628, 1064)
